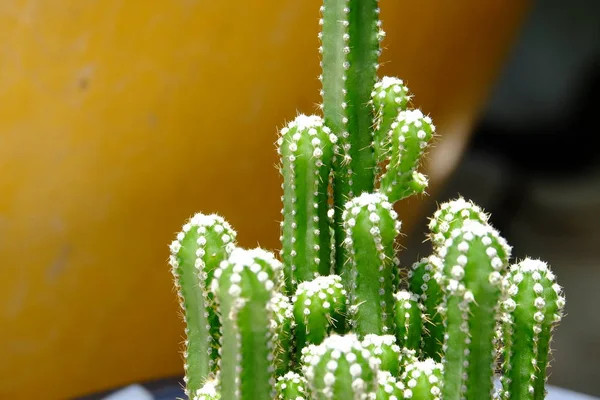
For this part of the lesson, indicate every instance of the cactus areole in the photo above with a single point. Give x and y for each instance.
(336, 316)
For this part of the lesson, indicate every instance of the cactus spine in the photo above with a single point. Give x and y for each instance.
(371, 229)
(203, 243)
(532, 310)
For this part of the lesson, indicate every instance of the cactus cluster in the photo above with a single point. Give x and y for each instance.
(337, 316)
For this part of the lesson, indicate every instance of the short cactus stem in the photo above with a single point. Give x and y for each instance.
(388, 387)
(422, 281)
(350, 51)
(386, 350)
(390, 97)
(409, 319)
(320, 308)
(203, 243)
(371, 230)
(533, 308)
(407, 141)
(423, 380)
(340, 368)
(474, 260)
(243, 287)
(407, 356)
(283, 322)
(208, 391)
(451, 215)
(291, 386)
(306, 149)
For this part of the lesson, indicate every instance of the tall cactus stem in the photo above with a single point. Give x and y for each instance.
(306, 150)
(423, 282)
(389, 97)
(243, 286)
(340, 368)
(320, 308)
(350, 36)
(409, 313)
(203, 243)
(474, 259)
(408, 139)
(532, 310)
(371, 230)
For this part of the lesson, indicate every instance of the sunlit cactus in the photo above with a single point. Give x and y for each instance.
(204, 242)
(244, 286)
(423, 282)
(338, 317)
(306, 149)
(319, 309)
(292, 386)
(533, 308)
(473, 262)
(409, 313)
(340, 368)
(423, 381)
(371, 230)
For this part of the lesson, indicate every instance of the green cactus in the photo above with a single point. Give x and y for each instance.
(531, 311)
(473, 261)
(340, 368)
(409, 314)
(423, 380)
(292, 386)
(306, 150)
(319, 309)
(371, 230)
(422, 280)
(334, 320)
(203, 243)
(243, 287)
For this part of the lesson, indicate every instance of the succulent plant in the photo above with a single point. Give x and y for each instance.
(337, 316)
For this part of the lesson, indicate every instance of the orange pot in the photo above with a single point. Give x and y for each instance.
(120, 119)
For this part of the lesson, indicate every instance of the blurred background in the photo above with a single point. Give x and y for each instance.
(119, 120)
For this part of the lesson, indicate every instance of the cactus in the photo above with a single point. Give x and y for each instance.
(371, 230)
(336, 318)
(422, 280)
(531, 311)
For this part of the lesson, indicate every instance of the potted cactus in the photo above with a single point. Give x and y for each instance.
(335, 315)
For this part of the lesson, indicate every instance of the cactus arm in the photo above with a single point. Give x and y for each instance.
(291, 386)
(350, 49)
(385, 349)
(306, 150)
(339, 368)
(423, 380)
(408, 312)
(409, 136)
(532, 310)
(423, 282)
(283, 322)
(319, 308)
(473, 260)
(243, 285)
(203, 243)
(389, 96)
(450, 216)
(371, 229)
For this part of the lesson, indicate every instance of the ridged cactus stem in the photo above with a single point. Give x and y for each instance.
(340, 368)
(474, 259)
(320, 308)
(306, 150)
(244, 286)
(371, 230)
(533, 308)
(409, 316)
(407, 141)
(422, 281)
(283, 322)
(450, 216)
(386, 350)
(350, 50)
(203, 243)
(292, 386)
(423, 381)
(388, 387)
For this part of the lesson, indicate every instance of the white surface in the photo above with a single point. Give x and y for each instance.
(132, 392)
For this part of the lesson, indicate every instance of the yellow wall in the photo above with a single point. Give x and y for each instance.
(119, 119)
